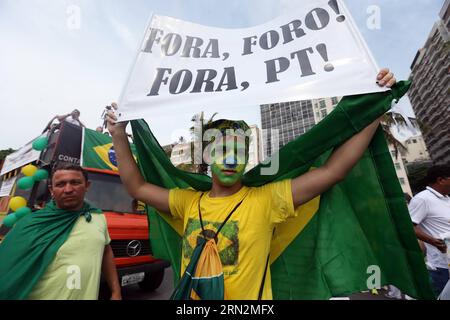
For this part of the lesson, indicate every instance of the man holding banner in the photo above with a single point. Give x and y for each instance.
(318, 224)
(260, 210)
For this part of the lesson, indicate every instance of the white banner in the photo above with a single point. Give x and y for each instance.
(6, 186)
(314, 52)
(21, 157)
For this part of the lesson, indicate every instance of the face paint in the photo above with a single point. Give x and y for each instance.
(229, 165)
(226, 177)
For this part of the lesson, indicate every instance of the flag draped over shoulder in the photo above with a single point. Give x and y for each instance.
(98, 151)
(31, 245)
(341, 241)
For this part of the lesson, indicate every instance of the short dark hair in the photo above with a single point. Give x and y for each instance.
(407, 197)
(223, 125)
(68, 166)
(437, 172)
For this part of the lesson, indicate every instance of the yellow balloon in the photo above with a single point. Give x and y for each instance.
(29, 170)
(16, 203)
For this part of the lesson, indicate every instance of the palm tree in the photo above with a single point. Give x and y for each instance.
(197, 137)
(389, 120)
(5, 153)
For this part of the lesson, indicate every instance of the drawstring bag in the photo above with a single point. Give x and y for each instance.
(203, 278)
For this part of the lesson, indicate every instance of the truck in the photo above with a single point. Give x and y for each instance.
(126, 217)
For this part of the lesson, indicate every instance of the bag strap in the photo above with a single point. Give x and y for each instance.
(263, 281)
(223, 223)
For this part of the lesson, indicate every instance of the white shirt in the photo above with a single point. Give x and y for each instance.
(431, 211)
(73, 121)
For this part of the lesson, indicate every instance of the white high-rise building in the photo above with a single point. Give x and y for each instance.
(417, 150)
(400, 170)
(323, 107)
(429, 92)
(255, 149)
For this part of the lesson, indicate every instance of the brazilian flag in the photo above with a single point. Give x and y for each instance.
(340, 241)
(98, 151)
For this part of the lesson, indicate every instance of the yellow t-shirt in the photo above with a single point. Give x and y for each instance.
(75, 272)
(244, 242)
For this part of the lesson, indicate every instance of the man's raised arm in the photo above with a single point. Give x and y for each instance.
(130, 175)
(313, 183)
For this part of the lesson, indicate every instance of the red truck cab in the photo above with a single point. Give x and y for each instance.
(128, 229)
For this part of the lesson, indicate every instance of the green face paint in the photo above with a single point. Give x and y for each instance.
(228, 178)
(229, 167)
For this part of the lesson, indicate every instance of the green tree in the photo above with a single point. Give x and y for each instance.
(389, 120)
(5, 153)
(417, 172)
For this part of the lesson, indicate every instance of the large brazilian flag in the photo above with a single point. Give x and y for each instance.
(98, 151)
(339, 241)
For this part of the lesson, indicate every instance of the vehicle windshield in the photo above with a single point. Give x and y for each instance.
(107, 193)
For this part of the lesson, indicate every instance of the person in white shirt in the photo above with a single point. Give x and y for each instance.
(430, 213)
(73, 118)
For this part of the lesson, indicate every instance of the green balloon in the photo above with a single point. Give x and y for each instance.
(40, 175)
(25, 183)
(22, 212)
(40, 143)
(10, 220)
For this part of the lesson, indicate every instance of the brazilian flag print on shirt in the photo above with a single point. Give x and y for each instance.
(98, 151)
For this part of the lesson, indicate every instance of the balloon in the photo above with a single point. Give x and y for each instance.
(10, 220)
(40, 143)
(40, 175)
(29, 170)
(25, 183)
(17, 203)
(22, 212)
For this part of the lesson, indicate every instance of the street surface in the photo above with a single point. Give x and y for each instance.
(133, 292)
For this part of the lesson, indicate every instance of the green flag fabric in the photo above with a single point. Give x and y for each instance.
(354, 237)
(31, 246)
(98, 151)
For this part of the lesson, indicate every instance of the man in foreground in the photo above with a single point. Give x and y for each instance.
(256, 211)
(59, 252)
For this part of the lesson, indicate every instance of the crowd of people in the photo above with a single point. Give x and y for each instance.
(273, 203)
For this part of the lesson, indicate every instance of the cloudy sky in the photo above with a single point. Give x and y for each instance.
(60, 54)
